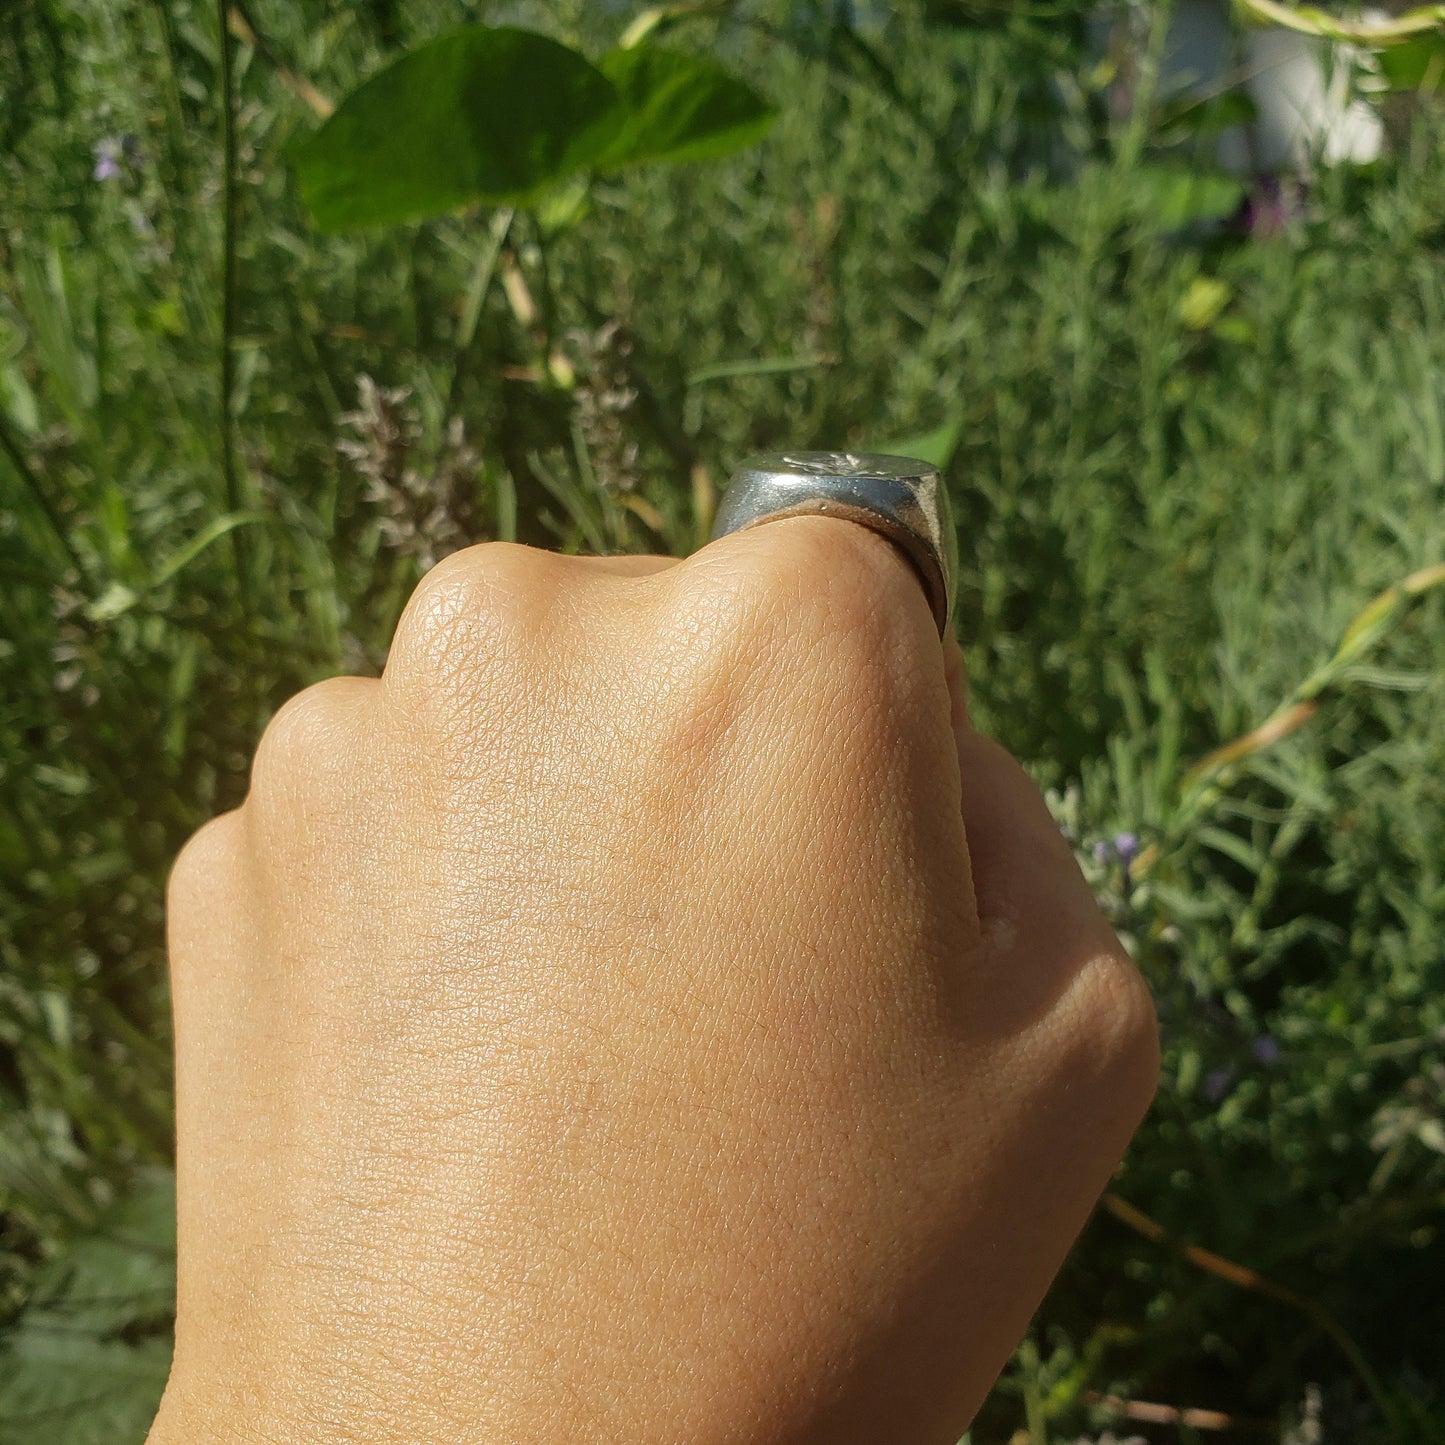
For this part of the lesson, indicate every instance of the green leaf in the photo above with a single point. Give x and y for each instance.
(1233, 847)
(935, 447)
(63, 780)
(53, 300)
(754, 366)
(123, 1272)
(1415, 63)
(81, 1391)
(479, 114)
(88, 1359)
(649, 22)
(212, 532)
(678, 107)
(1200, 306)
(1431, 1133)
(1184, 116)
(116, 600)
(562, 207)
(1171, 198)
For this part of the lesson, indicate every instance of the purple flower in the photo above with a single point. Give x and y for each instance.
(1126, 845)
(107, 160)
(114, 155)
(1101, 852)
(1266, 1050)
(1274, 202)
(1217, 1084)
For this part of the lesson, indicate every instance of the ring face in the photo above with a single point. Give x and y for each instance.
(900, 498)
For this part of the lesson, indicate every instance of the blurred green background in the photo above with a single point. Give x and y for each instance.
(1193, 419)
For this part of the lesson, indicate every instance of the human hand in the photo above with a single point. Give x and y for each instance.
(649, 1012)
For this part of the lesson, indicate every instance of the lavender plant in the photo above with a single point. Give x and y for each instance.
(1198, 464)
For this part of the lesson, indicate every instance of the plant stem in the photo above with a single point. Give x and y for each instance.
(1242, 1277)
(1146, 88)
(18, 460)
(180, 189)
(1367, 628)
(1203, 784)
(482, 275)
(243, 27)
(228, 300)
(1312, 21)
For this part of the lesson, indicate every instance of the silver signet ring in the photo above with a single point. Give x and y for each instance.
(900, 498)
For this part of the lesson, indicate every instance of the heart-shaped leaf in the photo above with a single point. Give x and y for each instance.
(677, 107)
(479, 114)
(502, 115)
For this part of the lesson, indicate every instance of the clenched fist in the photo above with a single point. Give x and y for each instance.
(648, 1013)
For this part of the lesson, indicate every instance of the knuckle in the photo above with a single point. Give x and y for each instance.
(871, 574)
(311, 739)
(465, 664)
(856, 604)
(209, 855)
(719, 615)
(207, 878)
(795, 624)
(828, 572)
(474, 605)
(1118, 1023)
(729, 637)
(820, 587)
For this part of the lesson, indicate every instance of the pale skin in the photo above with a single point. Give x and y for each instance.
(649, 1012)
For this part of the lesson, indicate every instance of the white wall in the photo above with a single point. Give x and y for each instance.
(1300, 87)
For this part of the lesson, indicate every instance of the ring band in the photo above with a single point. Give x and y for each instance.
(898, 497)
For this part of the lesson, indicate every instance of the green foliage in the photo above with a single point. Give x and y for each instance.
(1414, 64)
(87, 1359)
(1185, 458)
(479, 114)
(1175, 197)
(677, 107)
(503, 115)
